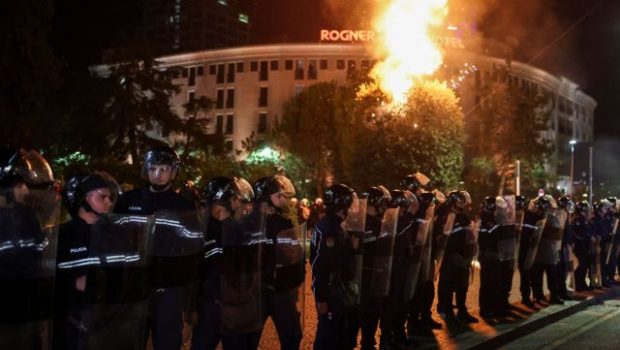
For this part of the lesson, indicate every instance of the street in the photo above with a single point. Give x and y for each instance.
(597, 327)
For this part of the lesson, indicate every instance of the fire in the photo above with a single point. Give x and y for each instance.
(403, 39)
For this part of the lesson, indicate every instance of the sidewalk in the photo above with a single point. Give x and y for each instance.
(487, 334)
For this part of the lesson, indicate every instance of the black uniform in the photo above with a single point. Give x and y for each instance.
(489, 297)
(330, 255)
(281, 286)
(527, 233)
(582, 238)
(167, 296)
(25, 306)
(455, 270)
(73, 262)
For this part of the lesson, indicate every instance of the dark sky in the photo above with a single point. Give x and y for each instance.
(589, 54)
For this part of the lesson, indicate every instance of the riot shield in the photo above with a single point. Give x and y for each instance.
(551, 239)
(291, 263)
(241, 303)
(28, 242)
(117, 283)
(613, 242)
(532, 244)
(418, 252)
(355, 226)
(381, 269)
(505, 218)
(442, 241)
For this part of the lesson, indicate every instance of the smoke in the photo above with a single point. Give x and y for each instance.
(607, 166)
(352, 14)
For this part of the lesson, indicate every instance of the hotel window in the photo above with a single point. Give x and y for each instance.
(262, 123)
(219, 124)
(274, 65)
(230, 98)
(192, 77)
(191, 96)
(240, 67)
(264, 72)
(340, 64)
(299, 69)
(351, 67)
(231, 73)
(229, 124)
(219, 102)
(212, 69)
(200, 71)
(365, 66)
(263, 97)
(312, 69)
(185, 73)
(220, 74)
(323, 64)
(288, 65)
(253, 66)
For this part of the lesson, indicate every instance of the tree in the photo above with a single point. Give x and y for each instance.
(29, 69)
(506, 126)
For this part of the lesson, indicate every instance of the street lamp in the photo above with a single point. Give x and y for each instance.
(572, 164)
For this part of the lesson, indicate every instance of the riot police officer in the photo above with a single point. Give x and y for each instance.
(377, 200)
(226, 199)
(531, 230)
(29, 223)
(490, 269)
(86, 197)
(455, 260)
(331, 251)
(565, 203)
(394, 314)
(582, 238)
(283, 259)
(602, 226)
(160, 168)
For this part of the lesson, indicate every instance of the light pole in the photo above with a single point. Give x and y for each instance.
(572, 164)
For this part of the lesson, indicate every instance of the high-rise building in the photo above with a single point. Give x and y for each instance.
(172, 26)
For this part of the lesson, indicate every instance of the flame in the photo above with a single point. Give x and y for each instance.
(409, 51)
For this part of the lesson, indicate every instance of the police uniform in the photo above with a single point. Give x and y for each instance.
(527, 233)
(281, 286)
(582, 238)
(167, 297)
(73, 261)
(563, 264)
(330, 256)
(455, 270)
(603, 227)
(489, 297)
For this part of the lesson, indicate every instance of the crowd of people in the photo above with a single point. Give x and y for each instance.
(128, 270)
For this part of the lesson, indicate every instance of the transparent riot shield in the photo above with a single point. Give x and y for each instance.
(241, 303)
(532, 244)
(28, 242)
(505, 218)
(291, 264)
(355, 226)
(613, 242)
(117, 283)
(381, 269)
(442, 241)
(551, 239)
(471, 247)
(418, 253)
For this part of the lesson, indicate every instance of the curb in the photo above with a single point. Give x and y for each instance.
(529, 327)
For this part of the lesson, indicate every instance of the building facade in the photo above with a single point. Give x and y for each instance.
(250, 85)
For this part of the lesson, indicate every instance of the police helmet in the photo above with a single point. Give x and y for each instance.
(602, 206)
(488, 205)
(428, 197)
(458, 197)
(77, 187)
(520, 202)
(415, 181)
(582, 208)
(338, 197)
(542, 203)
(161, 156)
(564, 202)
(220, 190)
(25, 166)
(268, 185)
(402, 199)
(377, 197)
